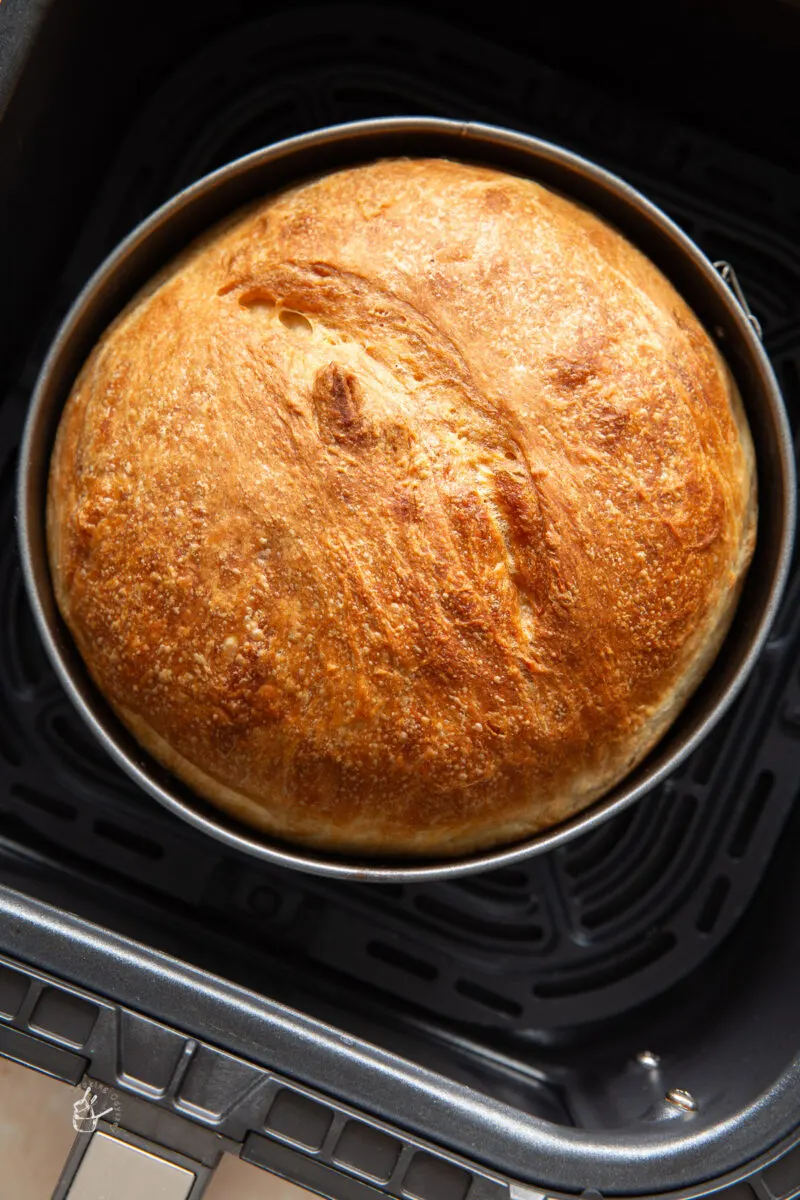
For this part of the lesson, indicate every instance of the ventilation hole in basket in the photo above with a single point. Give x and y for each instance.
(404, 48)
(621, 969)
(471, 70)
(706, 758)
(489, 999)
(134, 842)
(8, 472)
(485, 888)
(380, 101)
(72, 740)
(28, 657)
(8, 747)
(386, 891)
(790, 608)
(592, 851)
(507, 877)
(650, 869)
(740, 185)
(67, 738)
(379, 891)
(264, 901)
(475, 926)
(254, 134)
(645, 829)
(790, 378)
(712, 906)
(310, 45)
(49, 804)
(531, 93)
(402, 961)
(753, 809)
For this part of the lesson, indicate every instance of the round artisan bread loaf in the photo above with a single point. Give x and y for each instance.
(404, 511)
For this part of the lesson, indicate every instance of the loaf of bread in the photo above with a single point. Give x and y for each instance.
(402, 513)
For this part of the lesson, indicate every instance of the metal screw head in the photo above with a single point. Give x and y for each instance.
(682, 1099)
(646, 1058)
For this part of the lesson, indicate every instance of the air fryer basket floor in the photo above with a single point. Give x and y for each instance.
(521, 983)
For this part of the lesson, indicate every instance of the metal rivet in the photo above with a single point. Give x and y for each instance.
(682, 1099)
(646, 1058)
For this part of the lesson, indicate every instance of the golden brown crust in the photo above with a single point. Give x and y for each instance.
(402, 514)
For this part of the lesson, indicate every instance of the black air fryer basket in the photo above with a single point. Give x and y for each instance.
(619, 1016)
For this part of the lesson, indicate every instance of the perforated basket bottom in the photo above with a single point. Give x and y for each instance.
(585, 932)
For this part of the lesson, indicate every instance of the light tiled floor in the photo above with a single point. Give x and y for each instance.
(36, 1134)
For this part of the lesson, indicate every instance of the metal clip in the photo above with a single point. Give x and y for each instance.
(730, 277)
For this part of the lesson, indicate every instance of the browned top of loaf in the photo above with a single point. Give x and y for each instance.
(403, 512)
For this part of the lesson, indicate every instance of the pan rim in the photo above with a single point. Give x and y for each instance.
(469, 137)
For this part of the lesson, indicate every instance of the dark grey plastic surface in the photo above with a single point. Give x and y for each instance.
(238, 1090)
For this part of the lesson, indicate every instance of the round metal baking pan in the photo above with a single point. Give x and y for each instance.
(191, 212)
